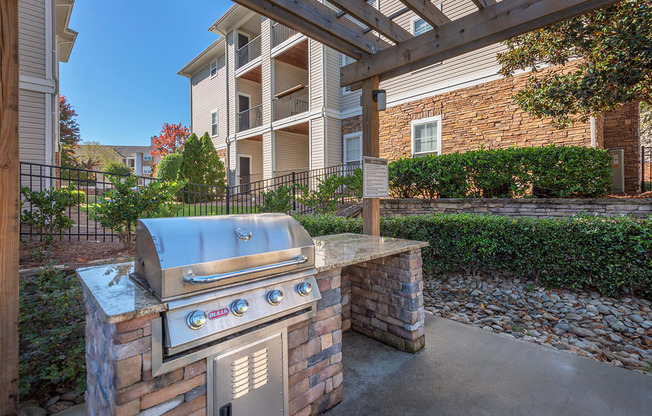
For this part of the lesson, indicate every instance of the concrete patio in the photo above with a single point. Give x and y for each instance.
(465, 370)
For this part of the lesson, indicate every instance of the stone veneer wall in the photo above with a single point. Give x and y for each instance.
(486, 114)
(119, 372)
(381, 298)
(544, 207)
(621, 131)
(387, 300)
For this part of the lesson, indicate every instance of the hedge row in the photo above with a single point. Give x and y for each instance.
(613, 255)
(551, 172)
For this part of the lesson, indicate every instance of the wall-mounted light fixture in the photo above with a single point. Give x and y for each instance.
(379, 96)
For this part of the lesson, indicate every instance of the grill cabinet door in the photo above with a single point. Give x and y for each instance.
(250, 379)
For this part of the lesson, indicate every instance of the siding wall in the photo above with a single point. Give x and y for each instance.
(332, 88)
(253, 148)
(287, 76)
(31, 126)
(317, 143)
(266, 71)
(31, 37)
(315, 51)
(333, 141)
(209, 94)
(250, 88)
(292, 151)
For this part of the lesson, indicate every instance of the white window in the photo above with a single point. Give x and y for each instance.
(213, 68)
(420, 26)
(214, 123)
(352, 147)
(147, 170)
(131, 162)
(426, 136)
(147, 157)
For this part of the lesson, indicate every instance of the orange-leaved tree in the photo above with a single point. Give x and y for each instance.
(171, 139)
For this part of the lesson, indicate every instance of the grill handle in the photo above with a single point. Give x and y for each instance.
(196, 280)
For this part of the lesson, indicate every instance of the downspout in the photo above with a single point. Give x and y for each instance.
(594, 139)
(228, 111)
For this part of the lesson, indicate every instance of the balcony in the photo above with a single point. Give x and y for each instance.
(251, 118)
(281, 33)
(248, 52)
(291, 102)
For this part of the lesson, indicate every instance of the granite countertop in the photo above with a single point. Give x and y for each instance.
(120, 299)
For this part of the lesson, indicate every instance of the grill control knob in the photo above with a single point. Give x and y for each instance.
(196, 319)
(304, 288)
(274, 297)
(239, 307)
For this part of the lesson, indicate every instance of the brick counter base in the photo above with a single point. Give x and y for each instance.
(381, 298)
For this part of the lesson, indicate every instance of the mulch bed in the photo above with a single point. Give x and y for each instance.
(643, 195)
(68, 252)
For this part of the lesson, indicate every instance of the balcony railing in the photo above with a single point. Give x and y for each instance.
(281, 33)
(291, 102)
(248, 119)
(248, 52)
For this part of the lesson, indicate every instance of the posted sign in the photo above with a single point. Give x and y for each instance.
(374, 177)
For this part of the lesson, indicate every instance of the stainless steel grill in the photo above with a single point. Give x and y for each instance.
(230, 282)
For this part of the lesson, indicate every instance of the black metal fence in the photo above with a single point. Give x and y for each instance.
(646, 168)
(193, 199)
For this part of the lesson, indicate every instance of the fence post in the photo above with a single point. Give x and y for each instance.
(227, 200)
(294, 193)
(643, 169)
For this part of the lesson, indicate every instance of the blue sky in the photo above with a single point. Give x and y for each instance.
(122, 75)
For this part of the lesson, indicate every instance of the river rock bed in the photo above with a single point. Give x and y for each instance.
(616, 331)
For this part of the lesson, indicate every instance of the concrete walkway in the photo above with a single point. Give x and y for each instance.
(465, 370)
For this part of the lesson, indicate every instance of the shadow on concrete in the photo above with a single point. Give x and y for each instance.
(464, 370)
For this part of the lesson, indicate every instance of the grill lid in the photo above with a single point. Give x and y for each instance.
(185, 255)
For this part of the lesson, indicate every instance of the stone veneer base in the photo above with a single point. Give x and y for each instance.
(381, 298)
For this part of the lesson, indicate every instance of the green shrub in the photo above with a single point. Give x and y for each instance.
(329, 191)
(614, 255)
(278, 200)
(117, 168)
(552, 171)
(47, 212)
(51, 329)
(168, 167)
(568, 171)
(78, 196)
(121, 207)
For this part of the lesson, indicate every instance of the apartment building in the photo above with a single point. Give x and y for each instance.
(44, 40)
(271, 99)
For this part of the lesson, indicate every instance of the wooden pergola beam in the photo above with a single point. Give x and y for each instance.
(350, 48)
(325, 18)
(492, 24)
(9, 211)
(481, 4)
(373, 18)
(427, 11)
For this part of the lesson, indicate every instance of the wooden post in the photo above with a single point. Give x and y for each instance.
(370, 147)
(9, 197)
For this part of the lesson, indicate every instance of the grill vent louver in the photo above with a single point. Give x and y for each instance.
(249, 373)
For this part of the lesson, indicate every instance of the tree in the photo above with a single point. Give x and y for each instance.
(68, 133)
(102, 155)
(168, 168)
(615, 67)
(121, 207)
(172, 138)
(214, 172)
(117, 168)
(191, 169)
